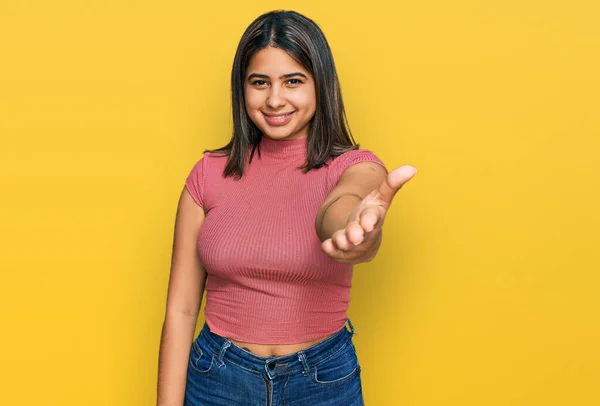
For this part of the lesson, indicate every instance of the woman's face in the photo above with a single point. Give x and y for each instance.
(280, 95)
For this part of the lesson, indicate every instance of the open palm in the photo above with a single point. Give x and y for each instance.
(359, 241)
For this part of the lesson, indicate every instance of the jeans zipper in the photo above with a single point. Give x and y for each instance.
(270, 394)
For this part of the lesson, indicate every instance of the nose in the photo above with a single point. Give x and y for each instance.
(275, 99)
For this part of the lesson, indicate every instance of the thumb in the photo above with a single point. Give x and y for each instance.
(394, 182)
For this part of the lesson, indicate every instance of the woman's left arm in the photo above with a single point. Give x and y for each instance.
(350, 220)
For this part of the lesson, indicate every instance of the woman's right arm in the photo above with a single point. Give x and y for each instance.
(186, 287)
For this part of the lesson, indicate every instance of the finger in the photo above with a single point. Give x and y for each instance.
(355, 233)
(328, 247)
(340, 241)
(370, 217)
(394, 181)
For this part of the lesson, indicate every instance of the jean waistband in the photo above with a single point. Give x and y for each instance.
(226, 351)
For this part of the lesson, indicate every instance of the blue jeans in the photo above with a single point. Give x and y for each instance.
(222, 373)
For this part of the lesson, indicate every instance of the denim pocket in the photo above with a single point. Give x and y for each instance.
(202, 361)
(338, 368)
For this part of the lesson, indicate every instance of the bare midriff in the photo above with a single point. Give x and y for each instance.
(277, 350)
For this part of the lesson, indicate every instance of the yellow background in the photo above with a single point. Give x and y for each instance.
(486, 288)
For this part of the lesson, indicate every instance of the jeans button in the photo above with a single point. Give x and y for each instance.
(271, 366)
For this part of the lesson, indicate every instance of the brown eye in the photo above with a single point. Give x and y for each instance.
(294, 81)
(259, 83)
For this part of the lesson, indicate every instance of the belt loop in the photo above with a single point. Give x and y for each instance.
(302, 359)
(350, 325)
(224, 347)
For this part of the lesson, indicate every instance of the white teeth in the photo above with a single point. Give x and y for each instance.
(277, 117)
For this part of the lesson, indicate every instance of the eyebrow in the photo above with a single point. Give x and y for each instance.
(286, 76)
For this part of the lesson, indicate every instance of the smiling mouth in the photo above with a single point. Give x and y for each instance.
(278, 120)
(278, 116)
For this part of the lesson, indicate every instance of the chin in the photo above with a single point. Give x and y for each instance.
(276, 136)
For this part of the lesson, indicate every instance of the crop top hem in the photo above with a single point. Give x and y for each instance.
(276, 340)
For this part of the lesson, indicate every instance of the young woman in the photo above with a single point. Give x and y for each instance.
(273, 223)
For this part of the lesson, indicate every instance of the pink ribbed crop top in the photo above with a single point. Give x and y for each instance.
(268, 280)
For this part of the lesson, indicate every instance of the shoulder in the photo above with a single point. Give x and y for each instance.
(339, 164)
(209, 166)
(209, 161)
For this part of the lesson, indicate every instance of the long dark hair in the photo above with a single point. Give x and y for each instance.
(329, 133)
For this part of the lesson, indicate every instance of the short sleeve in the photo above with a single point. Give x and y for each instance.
(195, 182)
(342, 162)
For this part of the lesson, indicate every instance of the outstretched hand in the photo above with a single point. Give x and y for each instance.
(359, 241)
